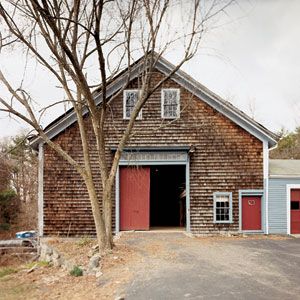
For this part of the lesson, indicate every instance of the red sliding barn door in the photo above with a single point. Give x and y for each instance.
(134, 198)
(295, 211)
(251, 213)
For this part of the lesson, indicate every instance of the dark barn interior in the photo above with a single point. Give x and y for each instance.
(167, 196)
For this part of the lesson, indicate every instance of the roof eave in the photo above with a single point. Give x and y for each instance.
(272, 176)
(219, 104)
(187, 82)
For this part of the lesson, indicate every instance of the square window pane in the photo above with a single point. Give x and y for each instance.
(295, 205)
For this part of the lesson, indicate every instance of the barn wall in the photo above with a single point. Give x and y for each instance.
(278, 204)
(226, 159)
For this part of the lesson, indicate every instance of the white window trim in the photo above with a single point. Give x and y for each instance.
(163, 101)
(139, 116)
(216, 194)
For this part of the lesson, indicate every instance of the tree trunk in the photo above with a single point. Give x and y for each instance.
(99, 224)
(107, 213)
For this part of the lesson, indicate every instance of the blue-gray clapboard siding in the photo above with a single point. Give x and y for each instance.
(278, 203)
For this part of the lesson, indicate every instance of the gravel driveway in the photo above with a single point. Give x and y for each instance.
(174, 266)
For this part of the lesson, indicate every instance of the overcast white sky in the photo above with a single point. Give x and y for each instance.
(252, 61)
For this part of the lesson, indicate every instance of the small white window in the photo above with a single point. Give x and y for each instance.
(170, 103)
(129, 101)
(222, 207)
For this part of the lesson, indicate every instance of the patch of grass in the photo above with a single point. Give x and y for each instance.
(41, 263)
(7, 271)
(17, 290)
(5, 279)
(84, 241)
(76, 271)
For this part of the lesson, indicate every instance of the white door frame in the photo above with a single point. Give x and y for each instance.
(246, 193)
(289, 187)
(185, 162)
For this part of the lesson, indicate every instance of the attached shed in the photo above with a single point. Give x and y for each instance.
(284, 196)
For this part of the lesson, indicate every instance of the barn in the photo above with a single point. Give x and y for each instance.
(194, 163)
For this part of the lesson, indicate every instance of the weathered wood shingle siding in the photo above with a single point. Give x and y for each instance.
(66, 204)
(278, 204)
(226, 159)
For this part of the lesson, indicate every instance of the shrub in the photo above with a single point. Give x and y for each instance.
(76, 271)
(7, 271)
(4, 226)
(8, 208)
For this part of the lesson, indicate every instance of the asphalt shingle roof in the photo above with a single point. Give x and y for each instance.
(284, 167)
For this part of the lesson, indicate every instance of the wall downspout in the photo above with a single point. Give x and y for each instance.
(266, 184)
(41, 190)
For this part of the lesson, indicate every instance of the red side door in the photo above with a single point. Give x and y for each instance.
(295, 211)
(134, 198)
(251, 213)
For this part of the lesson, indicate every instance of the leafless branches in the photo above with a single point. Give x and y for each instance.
(66, 37)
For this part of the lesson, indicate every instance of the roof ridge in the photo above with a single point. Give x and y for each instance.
(182, 77)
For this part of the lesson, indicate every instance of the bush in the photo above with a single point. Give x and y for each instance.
(76, 271)
(4, 226)
(8, 208)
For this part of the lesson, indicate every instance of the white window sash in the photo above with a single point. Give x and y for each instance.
(222, 197)
(163, 113)
(125, 116)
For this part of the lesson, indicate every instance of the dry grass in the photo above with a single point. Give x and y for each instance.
(76, 250)
(11, 260)
(133, 254)
(54, 283)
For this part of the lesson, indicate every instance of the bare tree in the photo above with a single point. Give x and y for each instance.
(252, 107)
(23, 177)
(66, 36)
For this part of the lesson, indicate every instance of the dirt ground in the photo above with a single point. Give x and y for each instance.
(48, 282)
(150, 266)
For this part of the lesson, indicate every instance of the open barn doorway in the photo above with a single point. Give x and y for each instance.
(167, 197)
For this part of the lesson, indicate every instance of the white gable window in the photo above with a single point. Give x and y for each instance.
(222, 207)
(129, 101)
(170, 103)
